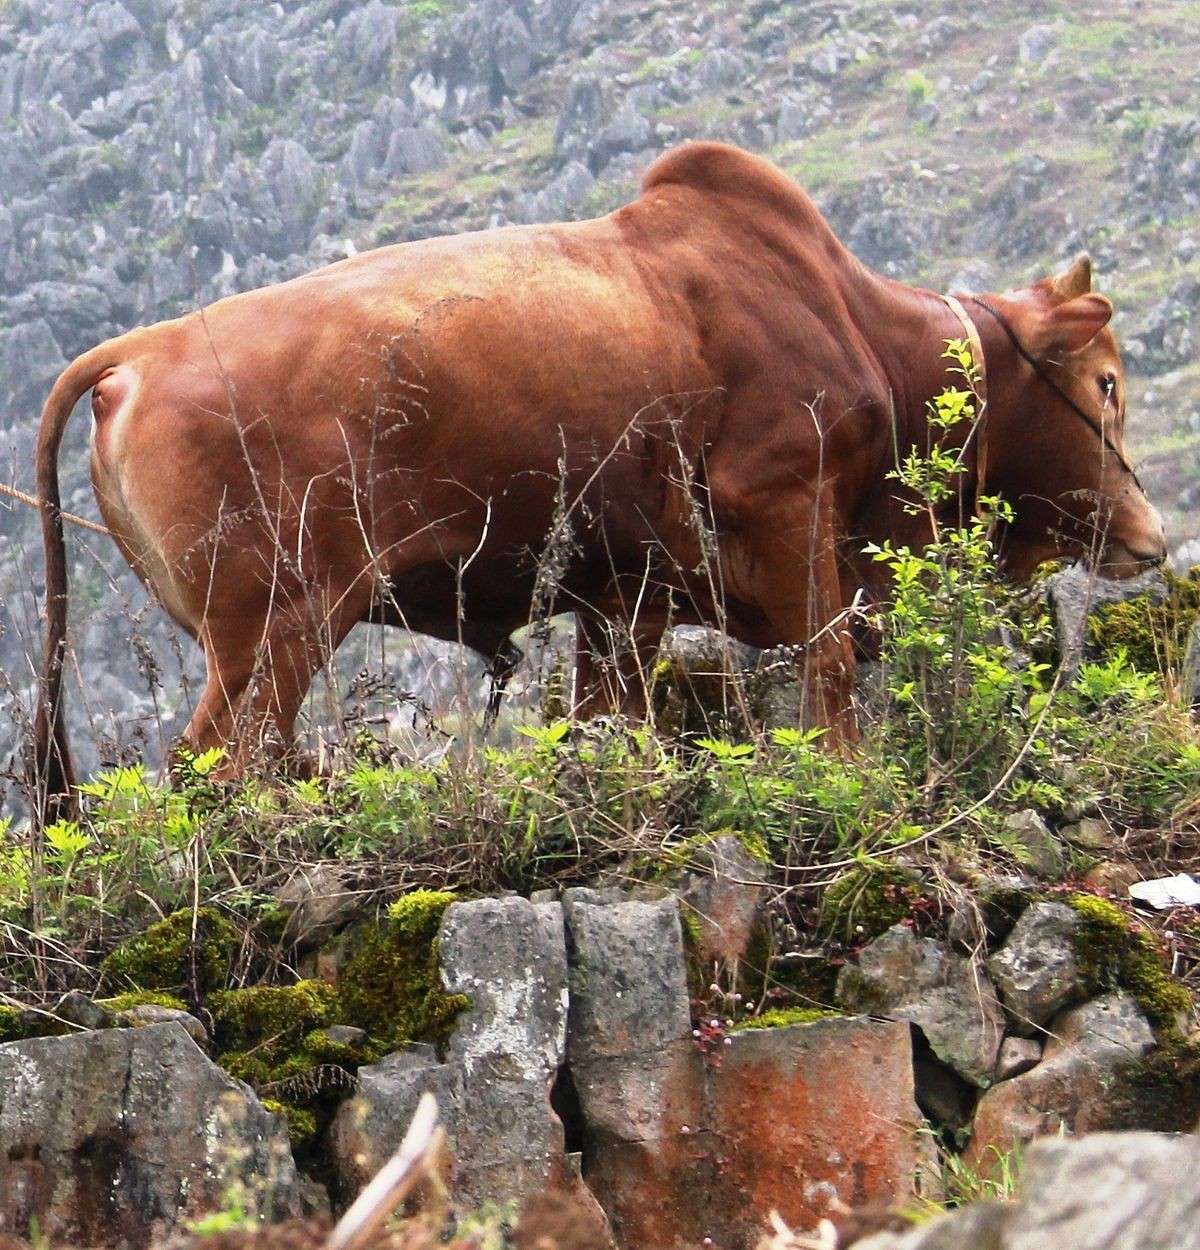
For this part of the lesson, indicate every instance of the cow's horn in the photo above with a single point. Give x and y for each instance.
(1075, 280)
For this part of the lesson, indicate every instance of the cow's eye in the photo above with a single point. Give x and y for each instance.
(1108, 385)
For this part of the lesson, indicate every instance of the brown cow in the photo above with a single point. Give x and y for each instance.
(688, 408)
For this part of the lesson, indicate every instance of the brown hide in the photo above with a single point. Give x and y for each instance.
(686, 408)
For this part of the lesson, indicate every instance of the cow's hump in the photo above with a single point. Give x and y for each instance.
(722, 169)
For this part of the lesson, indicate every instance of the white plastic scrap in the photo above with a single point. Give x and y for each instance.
(1164, 893)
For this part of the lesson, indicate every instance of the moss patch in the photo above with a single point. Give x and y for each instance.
(273, 1037)
(864, 903)
(1113, 955)
(781, 1017)
(1152, 632)
(1161, 1093)
(11, 1028)
(691, 852)
(142, 998)
(391, 987)
(270, 1016)
(186, 951)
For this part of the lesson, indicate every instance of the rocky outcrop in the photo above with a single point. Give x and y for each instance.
(118, 1138)
(667, 1127)
(496, 1080)
(582, 1067)
(1077, 1087)
(1037, 969)
(948, 996)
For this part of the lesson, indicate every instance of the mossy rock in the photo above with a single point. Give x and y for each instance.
(691, 852)
(1113, 955)
(865, 902)
(697, 690)
(273, 1037)
(392, 985)
(186, 950)
(1152, 629)
(1160, 1092)
(18, 1026)
(142, 998)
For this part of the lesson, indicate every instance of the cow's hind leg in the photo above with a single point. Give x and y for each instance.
(257, 679)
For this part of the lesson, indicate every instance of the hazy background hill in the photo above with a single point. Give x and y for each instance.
(157, 154)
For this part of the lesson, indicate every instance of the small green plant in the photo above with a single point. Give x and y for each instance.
(918, 90)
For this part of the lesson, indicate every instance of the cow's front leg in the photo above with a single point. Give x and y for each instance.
(786, 565)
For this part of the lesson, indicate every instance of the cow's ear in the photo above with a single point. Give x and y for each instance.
(1070, 326)
(1075, 280)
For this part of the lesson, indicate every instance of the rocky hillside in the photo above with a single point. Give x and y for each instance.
(157, 154)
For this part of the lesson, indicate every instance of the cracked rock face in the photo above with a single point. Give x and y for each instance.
(1079, 1085)
(949, 996)
(120, 1137)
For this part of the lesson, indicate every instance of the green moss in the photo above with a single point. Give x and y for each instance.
(274, 1017)
(11, 1028)
(703, 695)
(302, 1123)
(323, 1048)
(809, 981)
(1112, 955)
(691, 852)
(865, 902)
(187, 950)
(273, 1037)
(391, 987)
(1153, 635)
(143, 998)
(781, 1017)
(1161, 1092)
(18, 1026)
(271, 924)
(689, 922)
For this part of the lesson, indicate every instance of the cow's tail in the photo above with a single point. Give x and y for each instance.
(52, 775)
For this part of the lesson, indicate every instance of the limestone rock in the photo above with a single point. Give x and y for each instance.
(949, 996)
(1036, 971)
(494, 1084)
(119, 1137)
(1077, 1084)
(1028, 838)
(628, 986)
(319, 901)
(725, 890)
(1017, 1055)
(1103, 1190)
(1076, 592)
(145, 1014)
(811, 1115)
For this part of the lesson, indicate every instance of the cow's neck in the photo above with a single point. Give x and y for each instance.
(908, 329)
